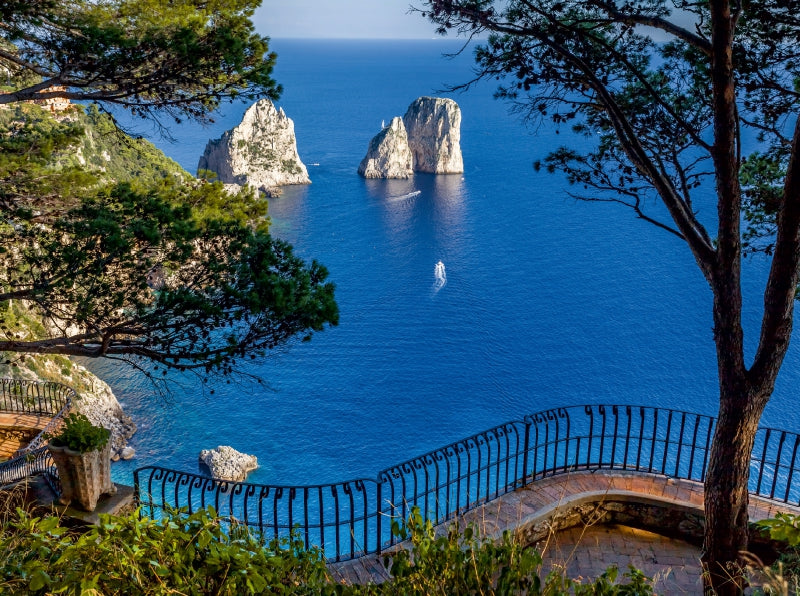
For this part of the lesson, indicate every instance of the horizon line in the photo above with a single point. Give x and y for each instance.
(435, 38)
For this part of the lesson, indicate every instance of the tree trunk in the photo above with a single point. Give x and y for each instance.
(726, 494)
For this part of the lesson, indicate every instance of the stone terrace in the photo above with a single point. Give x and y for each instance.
(17, 430)
(567, 517)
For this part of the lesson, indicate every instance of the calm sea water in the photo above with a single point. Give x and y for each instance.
(548, 301)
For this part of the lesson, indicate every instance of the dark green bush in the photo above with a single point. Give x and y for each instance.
(180, 554)
(784, 575)
(201, 554)
(80, 435)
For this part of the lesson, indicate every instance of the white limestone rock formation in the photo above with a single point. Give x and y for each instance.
(389, 155)
(433, 125)
(261, 151)
(225, 463)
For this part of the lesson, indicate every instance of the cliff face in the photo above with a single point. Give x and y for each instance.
(426, 139)
(389, 155)
(261, 151)
(95, 398)
(434, 135)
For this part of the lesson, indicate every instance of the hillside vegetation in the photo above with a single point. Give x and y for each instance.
(86, 146)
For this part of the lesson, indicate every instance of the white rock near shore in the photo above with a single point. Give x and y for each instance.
(426, 139)
(225, 463)
(260, 152)
(389, 155)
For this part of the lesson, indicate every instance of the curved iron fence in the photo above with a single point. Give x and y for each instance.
(33, 462)
(35, 398)
(353, 518)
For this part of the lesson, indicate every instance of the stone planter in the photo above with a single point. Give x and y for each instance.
(84, 476)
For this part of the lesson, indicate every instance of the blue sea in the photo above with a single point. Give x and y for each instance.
(548, 302)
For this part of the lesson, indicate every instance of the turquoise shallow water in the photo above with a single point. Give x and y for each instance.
(548, 301)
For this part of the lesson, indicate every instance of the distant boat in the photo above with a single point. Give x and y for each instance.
(441, 276)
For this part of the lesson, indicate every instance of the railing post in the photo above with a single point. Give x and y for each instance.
(136, 499)
(378, 515)
(525, 452)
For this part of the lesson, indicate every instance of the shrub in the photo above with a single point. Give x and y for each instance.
(179, 554)
(784, 576)
(461, 562)
(80, 435)
(202, 554)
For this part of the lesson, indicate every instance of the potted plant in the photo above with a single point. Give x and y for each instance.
(82, 453)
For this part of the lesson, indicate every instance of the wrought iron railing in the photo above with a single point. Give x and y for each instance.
(353, 518)
(41, 399)
(30, 464)
(34, 397)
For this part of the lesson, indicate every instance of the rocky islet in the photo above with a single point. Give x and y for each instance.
(389, 154)
(260, 152)
(226, 463)
(426, 139)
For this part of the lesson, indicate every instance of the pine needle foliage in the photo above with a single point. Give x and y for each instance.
(158, 267)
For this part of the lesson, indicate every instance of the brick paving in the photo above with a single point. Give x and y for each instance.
(674, 563)
(583, 553)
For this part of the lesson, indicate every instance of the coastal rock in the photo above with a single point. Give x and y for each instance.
(433, 125)
(225, 463)
(99, 404)
(389, 155)
(426, 139)
(261, 151)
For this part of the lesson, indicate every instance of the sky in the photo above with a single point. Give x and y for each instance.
(355, 19)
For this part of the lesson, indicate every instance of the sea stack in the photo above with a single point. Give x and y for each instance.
(433, 125)
(426, 139)
(260, 152)
(225, 463)
(389, 155)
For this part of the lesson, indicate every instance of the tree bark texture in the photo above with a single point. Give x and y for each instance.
(726, 484)
(726, 494)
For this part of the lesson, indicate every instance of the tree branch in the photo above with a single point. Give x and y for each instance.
(779, 297)
(655, 22)
(636, 207)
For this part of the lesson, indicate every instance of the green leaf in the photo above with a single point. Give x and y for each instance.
(39, 580)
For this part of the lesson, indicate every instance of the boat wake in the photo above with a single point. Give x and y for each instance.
(408, 195)
(441, 276)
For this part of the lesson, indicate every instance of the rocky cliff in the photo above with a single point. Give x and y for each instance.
(95, 398)
(389, 155)
(434, 135)
(261, 151)
(426, 139)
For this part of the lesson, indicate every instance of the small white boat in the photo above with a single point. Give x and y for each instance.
(441, 276)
